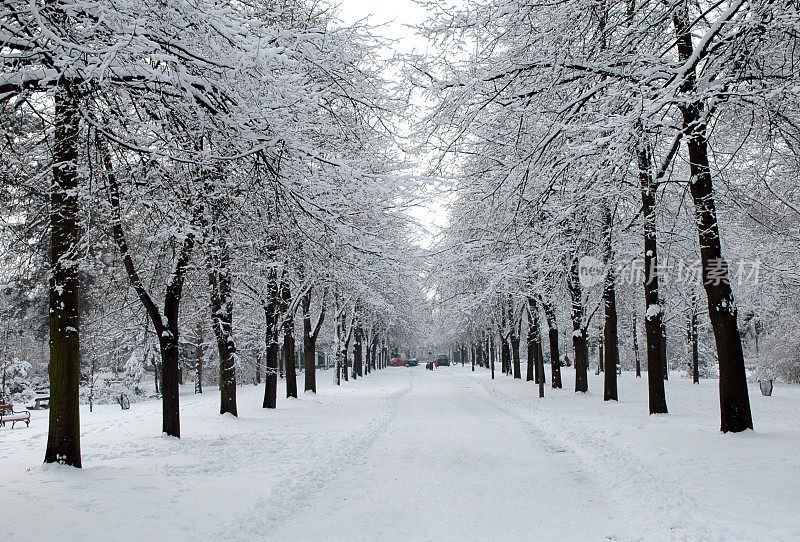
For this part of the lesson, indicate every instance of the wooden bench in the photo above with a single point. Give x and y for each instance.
(40, 402)
(7, 414)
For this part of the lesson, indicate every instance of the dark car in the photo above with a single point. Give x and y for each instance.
(413, 362)
(442, 360)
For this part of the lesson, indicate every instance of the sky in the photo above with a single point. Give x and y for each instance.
(395, 16)
(397, 19)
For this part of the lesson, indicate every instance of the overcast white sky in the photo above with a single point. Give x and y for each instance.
(396, 20)
(396, 15)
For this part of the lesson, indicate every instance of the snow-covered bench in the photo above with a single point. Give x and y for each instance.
(7, 414)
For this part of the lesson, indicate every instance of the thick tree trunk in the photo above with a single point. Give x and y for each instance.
(271, 318)
(654, 314)
(579, 344)
(171, 421)
(63, 436)
(555, 355)
(309, 354)
(610, 338)
(733, 394)
(169, 340)
(219, 279)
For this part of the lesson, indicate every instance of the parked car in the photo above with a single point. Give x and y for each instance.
(442, 360)
(397, 362)
(413, 362)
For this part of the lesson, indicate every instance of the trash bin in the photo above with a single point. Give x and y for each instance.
(766, 387)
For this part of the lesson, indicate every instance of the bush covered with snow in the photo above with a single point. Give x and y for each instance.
(18, 380)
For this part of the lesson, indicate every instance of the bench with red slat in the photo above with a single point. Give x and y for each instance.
(8, 414)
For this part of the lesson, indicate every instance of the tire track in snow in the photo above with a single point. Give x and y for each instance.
(320, 463)
(629, 482)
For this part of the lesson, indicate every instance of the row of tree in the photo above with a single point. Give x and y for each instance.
(231, 160)
(614, 129)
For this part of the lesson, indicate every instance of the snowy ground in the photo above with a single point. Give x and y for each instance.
(408, 454)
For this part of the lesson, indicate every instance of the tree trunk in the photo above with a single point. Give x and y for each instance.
(358, 352)
(288, 338)
(63, 436)
(539, 359)
(471, 355)
(693, 331)
(529, 373)
(657, 398)
(535, 344)
(505, 355)
(198, 358)
(309, 346)
(733, 394)
(555, 355)
(219, 280)
(156, 375)
(600, 351)
(288, 356)
(310, 338)
(171, 422)
(579, 343)
(663, 331)
(610, 339)
(166, 326)
(374, 353)
(635, 334)
(271, 310)
(513, 337)
(492, 353)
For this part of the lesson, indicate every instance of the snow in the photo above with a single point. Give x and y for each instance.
(653, 311)
(406, 453)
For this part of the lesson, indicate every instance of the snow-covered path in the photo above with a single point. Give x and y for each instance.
(409, 454)
(454, 466)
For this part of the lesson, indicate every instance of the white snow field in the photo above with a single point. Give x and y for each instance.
(409, 454)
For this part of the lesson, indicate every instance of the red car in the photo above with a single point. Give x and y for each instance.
(397, 362)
